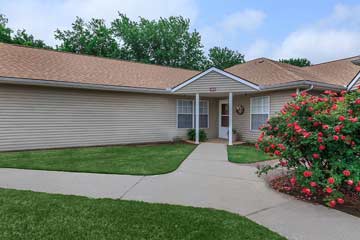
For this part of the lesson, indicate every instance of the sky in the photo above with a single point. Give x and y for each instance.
(320, 30)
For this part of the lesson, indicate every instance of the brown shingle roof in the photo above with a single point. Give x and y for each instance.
(30, 63)
(264, 71)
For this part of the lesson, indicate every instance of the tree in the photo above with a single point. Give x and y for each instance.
(21, 37)
(93, 38)
(167, 41)
(5, 32)
(224, 57)
(300, 62)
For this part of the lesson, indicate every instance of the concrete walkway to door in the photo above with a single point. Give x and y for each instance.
(205, 179)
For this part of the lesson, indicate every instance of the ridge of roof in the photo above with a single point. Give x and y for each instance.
(336, 60)
(99, 57)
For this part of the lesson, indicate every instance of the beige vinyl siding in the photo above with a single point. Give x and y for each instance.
(215, 80)
(242, 122)
(41, 117)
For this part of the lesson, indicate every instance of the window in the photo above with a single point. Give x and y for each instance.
(186, 113)
(259, 111)
(204, 114)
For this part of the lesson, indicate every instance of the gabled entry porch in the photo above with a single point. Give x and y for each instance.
(221, 87)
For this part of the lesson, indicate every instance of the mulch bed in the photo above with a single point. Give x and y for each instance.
(352, 200)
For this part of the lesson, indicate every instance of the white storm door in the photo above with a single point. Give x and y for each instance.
(223, 119)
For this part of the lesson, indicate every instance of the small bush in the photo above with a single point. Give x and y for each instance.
(318, 139)
(192, 133)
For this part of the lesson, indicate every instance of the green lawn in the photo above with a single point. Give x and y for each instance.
(246, 154)
(29, 215)
(135, 160)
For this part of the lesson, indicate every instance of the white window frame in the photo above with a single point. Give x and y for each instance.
(193, 113)
(208, 113)
(251, 112)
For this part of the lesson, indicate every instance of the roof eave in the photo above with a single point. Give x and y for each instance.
(302, 83)
(88, 86)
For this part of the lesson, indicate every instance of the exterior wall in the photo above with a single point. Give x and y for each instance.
(242, 122)
(40, 117)
(215, 80)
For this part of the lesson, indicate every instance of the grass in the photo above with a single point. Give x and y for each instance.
(134, 160)
(30, 215)
(246, 154)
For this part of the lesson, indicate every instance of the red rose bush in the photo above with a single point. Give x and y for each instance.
(317, 138)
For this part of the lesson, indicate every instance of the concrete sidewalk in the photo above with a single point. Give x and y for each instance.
(205, 179)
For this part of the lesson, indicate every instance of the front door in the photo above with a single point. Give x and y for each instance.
(223, 119)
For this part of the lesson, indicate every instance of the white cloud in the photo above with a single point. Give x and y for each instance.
(258, 49)
(227, 31)
(249, 19)
(336, 36)
(42, 18)
(320, 45)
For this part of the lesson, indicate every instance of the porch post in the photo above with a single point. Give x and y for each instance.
(197, 113)
(230, 117)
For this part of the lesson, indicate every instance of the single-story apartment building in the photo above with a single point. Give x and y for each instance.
(51, 99)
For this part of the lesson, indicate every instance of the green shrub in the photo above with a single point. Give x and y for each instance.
(318, 139)
(202, 135)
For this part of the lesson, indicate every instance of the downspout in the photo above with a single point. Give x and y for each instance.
(306, 90)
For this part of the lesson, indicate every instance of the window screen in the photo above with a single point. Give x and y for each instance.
(259, 108)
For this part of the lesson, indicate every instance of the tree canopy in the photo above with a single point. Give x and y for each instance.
(300, 62)
(224, 57)
(93, 38)
(166, 41)
(21, 37)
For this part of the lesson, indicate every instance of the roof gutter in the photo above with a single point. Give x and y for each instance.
(88, 86)
(304, 83)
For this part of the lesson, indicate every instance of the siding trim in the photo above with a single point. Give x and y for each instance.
(213, 69)
(353, 82)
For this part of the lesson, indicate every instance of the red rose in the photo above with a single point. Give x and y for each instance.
(355, 119)
(306, 134)
(346, 173)
(334, 107)
(316, 124)
(325, 127)
(322, 147)
(337, 128)
(293, 181)
(277, 152)
(340, 201)
(316, 155)
(343, 137)
(350, 182)
(328, 190)
(342, 118)
(357, 101)
(331, 180)
(283, 163)
(307, 173)
(294, 95)
(357, 188)
(311, 109)
(320, 140)
(332, 203)
(273, 146)
(313, 184)
(335, 137)
(307, 191)
(320, 134)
